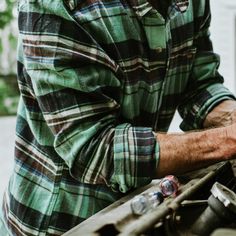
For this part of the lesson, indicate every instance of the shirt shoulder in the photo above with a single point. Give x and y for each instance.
(52, 7)
(200, 7)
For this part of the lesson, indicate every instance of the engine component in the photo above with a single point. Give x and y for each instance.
(221, 211)
(143, 203)
(169, 185)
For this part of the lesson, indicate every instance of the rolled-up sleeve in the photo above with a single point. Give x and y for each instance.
(136, 154)
(205, 89)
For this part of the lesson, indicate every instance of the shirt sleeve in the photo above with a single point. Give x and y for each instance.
(135, 157)
(72, 79)
(206, 88)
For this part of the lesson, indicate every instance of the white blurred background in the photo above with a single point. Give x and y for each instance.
(223, 36)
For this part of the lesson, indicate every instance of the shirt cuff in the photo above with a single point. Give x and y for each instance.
(205, 102)
(136, 155)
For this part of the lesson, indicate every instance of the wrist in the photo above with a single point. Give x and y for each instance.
(229, 143)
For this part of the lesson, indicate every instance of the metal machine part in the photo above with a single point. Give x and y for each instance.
(178, 215)
(225, 231)
(169, 185)
(221, 211)
(143, 203)
(171, 207)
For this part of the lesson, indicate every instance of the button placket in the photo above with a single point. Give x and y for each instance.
(154, 27)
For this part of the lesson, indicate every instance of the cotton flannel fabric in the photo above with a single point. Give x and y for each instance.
(97, 77)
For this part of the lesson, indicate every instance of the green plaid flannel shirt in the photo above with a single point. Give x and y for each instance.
(97, 77)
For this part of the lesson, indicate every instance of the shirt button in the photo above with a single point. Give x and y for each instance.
(71, 4)
(159, 49)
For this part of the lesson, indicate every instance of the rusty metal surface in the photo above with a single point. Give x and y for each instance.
(119, 220)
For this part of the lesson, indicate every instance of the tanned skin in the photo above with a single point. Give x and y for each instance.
(182, 152)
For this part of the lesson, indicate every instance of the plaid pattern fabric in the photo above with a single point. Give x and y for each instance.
(97, 77)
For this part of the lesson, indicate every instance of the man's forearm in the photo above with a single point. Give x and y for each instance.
(180, 153)
(222, 115)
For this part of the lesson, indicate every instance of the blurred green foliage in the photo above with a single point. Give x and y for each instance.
(9, 95)
(6, 14)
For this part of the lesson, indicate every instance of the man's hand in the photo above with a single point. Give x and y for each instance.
(222, 115)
